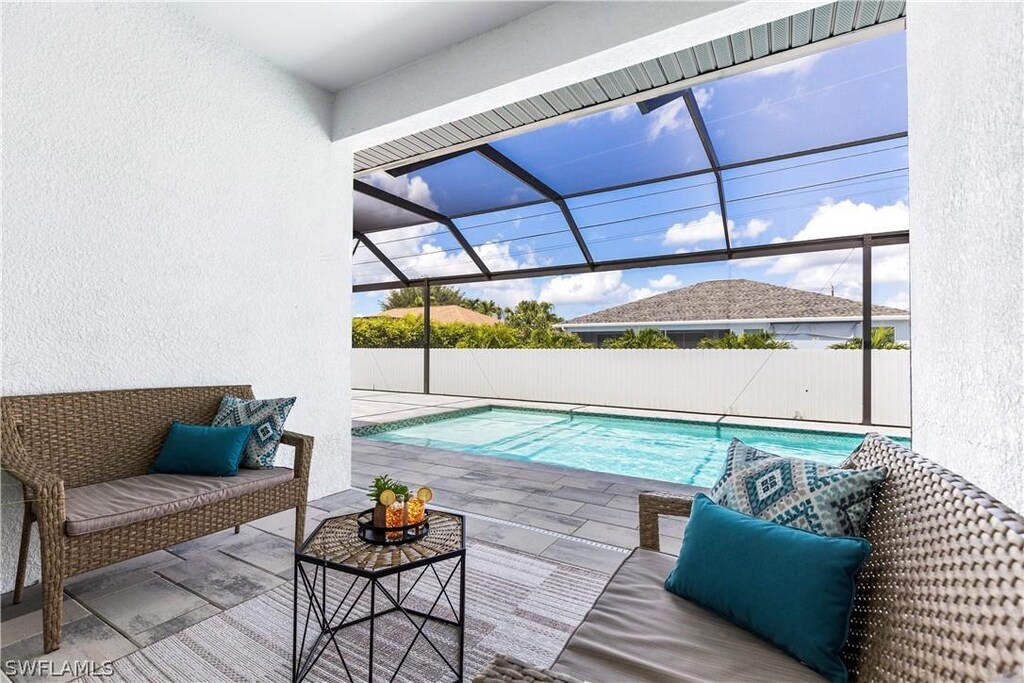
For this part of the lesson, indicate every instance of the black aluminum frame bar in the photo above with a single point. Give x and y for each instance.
(429, 214)
(709, 150)
(754, 251)
(426, 336)
(528, 179)
(865, 331)
(382, 257)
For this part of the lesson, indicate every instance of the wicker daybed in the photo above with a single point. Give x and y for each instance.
(82, 454)
(941, 598)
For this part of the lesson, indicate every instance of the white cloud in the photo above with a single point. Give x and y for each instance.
(667, 118)
(703, 96)
(641, 293)
(674, 115)
(820, 270)
(900, 299)
(707, 228)
(666, 281)
(622, 113)
(756, 226)
(792, 67)
(502, 292)
(586, 288)
(833, 219)
(416, 251)
(498, 257)
(415, 189)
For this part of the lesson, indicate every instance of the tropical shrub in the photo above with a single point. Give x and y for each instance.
(490, 337)
(407, 332)
(882, 338)
(554, 338)
(388, 333)
(643, 339)
(748, 340)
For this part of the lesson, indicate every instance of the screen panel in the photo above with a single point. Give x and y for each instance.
(663, 218)
(373, 214)
(466, 183)
(424, 251)
(367, 269)
(850, 93)
(527, 237)
(610, 148)
(834, 194)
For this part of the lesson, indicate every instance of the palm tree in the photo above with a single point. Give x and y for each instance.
(882, 338)
(412, 297)
(447, 296)
(402, 298)
(534, 315)
(487, 307)
(748, 340)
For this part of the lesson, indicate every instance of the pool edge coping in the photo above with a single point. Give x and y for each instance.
(382, 427)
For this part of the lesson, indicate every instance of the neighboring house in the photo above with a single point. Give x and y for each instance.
(712, 308)
(441, 314)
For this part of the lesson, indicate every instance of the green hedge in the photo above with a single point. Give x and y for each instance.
(407, 333)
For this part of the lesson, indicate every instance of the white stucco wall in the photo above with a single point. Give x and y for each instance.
(965, 63)
(172, 215)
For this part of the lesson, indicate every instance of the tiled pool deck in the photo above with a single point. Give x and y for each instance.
(575, 516)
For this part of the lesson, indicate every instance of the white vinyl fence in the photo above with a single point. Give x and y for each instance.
(803, 384)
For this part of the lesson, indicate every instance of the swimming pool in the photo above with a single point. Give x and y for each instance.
(666, 450)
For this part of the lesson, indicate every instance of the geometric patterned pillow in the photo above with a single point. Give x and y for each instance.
(740, 456)
(267, 418)
(804, 494)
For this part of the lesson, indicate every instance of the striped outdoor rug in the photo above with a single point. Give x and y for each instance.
(522, 605)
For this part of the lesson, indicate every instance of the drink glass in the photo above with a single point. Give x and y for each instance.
(416, 510)
(394, 517)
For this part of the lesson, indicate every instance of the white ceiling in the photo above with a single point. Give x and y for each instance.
(338, 44)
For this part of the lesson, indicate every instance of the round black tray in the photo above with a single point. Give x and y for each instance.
(398, 534)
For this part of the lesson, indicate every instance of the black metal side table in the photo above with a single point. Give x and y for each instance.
(336, 547)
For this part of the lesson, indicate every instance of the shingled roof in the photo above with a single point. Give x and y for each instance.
(442, 314)
(732, 300)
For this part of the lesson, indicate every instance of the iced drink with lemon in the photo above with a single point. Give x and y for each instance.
(418, 503)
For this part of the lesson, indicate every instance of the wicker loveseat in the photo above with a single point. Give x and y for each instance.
(82, 460)
(941, 598)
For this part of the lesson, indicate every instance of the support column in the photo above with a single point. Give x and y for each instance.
(865, 331)
(426, 336)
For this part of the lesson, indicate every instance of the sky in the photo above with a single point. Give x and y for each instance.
(845, 94)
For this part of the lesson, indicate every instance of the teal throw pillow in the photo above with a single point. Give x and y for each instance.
(791, 587)
(195, 449)
(803, 494)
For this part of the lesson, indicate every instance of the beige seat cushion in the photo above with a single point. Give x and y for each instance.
(112, 504)
(638, 631)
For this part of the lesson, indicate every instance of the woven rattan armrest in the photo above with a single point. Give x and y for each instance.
(39, 485)
(652, 505)
(303, 445)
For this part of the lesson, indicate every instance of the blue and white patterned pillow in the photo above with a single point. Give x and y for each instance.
(804, 494)
(267, 418)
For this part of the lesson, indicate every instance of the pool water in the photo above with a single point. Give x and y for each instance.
(665, 450)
